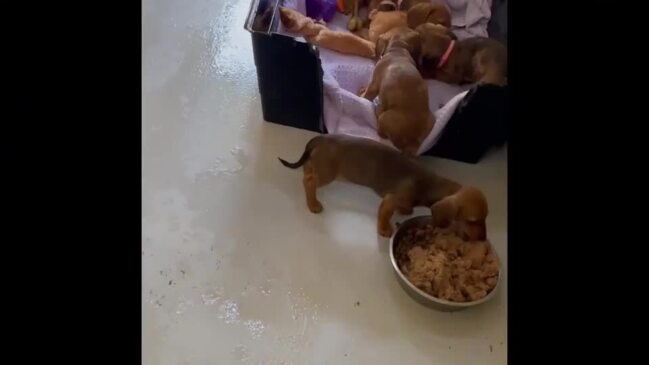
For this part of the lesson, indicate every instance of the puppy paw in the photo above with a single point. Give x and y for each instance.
(315, 207)
(361, 91)
(386, 231)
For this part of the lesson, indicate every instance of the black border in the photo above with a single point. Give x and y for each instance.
(562, 181)
(71, 147)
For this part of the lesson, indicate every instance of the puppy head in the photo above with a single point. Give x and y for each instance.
(426, 12)
(467, 209)
(435, 40)
(404, 38)
(381, 46)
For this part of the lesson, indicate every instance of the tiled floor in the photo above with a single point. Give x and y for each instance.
(235, 269)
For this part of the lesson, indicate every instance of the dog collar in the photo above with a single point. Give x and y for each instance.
(446, 55)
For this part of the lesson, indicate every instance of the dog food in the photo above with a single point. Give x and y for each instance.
(440, 263)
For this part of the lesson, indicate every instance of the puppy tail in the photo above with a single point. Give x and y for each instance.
(305, 156)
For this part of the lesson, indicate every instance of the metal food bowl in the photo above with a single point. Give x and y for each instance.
(418, 294)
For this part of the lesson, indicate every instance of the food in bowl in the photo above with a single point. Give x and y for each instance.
(442, 264)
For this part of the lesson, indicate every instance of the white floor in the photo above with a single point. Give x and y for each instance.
(235, 269)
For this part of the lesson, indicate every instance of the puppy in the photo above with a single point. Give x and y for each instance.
(471, 60)
(385, 16)
(402, 111)
(466, 212)
(426, 11)
(402, 182)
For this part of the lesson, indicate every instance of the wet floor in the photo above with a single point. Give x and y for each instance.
(235, 268)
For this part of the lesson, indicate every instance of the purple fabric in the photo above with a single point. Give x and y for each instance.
(328, 10)
(314, 9)
(321, 9)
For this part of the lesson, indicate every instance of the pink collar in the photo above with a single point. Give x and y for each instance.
(446, 55)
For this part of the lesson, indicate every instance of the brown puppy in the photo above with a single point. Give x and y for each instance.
(467, 211)
(482, 60)
(426, 11)
(321, 36)
(402, 111)
(385, 18)
(403, 183)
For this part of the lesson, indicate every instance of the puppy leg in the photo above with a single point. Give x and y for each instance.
(381, 127)
(386, 211)
(361, 91)
(391, 203)
(382, 130)
(372, 90)
(310, 181)
(383, 121)
(405, 202)
(386, 122)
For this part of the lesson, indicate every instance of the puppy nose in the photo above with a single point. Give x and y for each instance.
(483, 234)
(479, 234)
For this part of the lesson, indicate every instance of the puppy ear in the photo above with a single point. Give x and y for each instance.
(380, 47)
(413, 39)
(438, 14)
(434, 43)
(444, 212)
(417, 15)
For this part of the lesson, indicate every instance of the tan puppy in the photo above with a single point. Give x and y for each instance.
(321, 36)
(402, 182)
(470, 60)
(384, 21)
(467, 211)
(426, 11)
(402, 111)
(384, 17)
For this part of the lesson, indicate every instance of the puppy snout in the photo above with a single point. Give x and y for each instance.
(480, 233)
(476, 233)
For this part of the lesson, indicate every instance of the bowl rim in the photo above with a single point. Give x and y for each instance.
(422, 293)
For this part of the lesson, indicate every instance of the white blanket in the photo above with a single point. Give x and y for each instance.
(344, 75)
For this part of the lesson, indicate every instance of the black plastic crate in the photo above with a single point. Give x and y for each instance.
(289, 75)
(289, 72)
